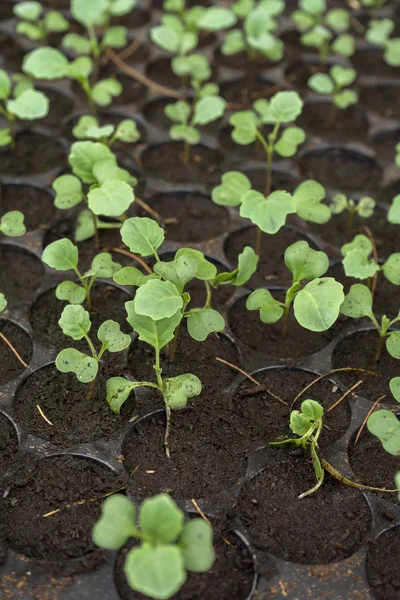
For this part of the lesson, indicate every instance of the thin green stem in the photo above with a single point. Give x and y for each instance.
(285, 320)
(207, 303)
(350, 219)
(186, 153)
(90, 393)
(88, 92)
(103, 349)
(92, 348)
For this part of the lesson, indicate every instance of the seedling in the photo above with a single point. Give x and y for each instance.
(204, 110)
(378, 33)
(357, 262)
(62, 255)
(19, 101)
(307, 424)
(75, 323)
(88, 127)
(324, 30)
(394, 211)
(3, 302)
(110, 193)
(257, 38)
(358, 303)
(94, 15)
(162, 537)
(333, 85)
(51, 64)
(364, 208)
(316, 306)
(12, 224)
(36, 26)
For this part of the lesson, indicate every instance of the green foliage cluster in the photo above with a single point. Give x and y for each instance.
(34, 24)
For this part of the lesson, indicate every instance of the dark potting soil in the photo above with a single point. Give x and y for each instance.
(11, 53)
(384, 143)
(382, 98)
(271, 265)
(132, 93)
(154, 113)
(266, 339)
(189, 216)
(342, 168)
(36, 204)
(63, 400)
(389, 191)
(8, 444)
(242, 62)
(358, 351)
(245, 91)
(320, 119)
(372, 465)
(165, 161)
(328, 526)
(191, 357)
(21, 273)
(298, 73)
(33, 153)
(11, 367)
(207, 453)
(382, 565)
(369, 60)
(39, 486)
(108, 302)
(140, 55)
(230, 578)
(6, 11)
(136, 18)
(160, 70)
(235, 152)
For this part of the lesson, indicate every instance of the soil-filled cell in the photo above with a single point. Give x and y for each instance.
(36, 204)
(13, 338)
(382, 565)
(21, 274)
(8, 444)
(33, 154)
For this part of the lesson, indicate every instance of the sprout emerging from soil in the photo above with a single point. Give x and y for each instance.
(333, 85)
(162, 537)
(89, 128)
(378, 33)
(316, 306)
(364, 208)
(62, 255)
(19, 101)
(36, 26)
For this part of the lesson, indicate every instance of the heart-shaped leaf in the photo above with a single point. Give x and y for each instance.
(116, 524)
(179, 389)
(268, 213)
(386, 426)
(12, 224)
(304, 262)
(196, 541)
(358, 302)
(201, 323)
(233, 185)
(75, 321)
(270, 309)
(111, 336)
(71, 292)
(71, 360)
(309, 197)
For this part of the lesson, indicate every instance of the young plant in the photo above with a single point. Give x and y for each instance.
(36, 26)
(19, 101)
(12, 224)
(333, 85)
(378, 34)
(307, 423)
(358, 303)
(110, 193)
(88, 127)
(95, 15)
(258, 35)
(51, 64)
(62, 255)
(75, 323)
(394, 211)
(162, 537)
(316, 306)
(205, 109)
(324, 30)
(357, 262)
(364, 208)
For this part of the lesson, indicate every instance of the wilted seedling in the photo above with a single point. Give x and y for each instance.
(162, 537)
(88, 127)
(307, 424)
(62, 255)
(12, 224)
(34, 24)
(75, 323)
(258, 35)
(110, 193)
(51, 64)
(358, 303)
(364, 208)
(333, 85)
(206, 108)
(357, 261)
(19, 101)
(324, 30)
(316, 306)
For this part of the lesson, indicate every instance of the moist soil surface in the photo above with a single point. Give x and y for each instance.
(382, 565)
(230, 578)
(321, 120)
(243, 92)
(33, 154)
(8, 444)
(21, 274)
(40, 486)
(11, 367)
(358, 351)
(36, 204)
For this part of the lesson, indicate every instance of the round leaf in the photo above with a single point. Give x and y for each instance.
(317, 305)
(61, 255)
(68, 191)
(116, 524)
(394, 211)
(45, 63)
(161, 519)
(142, 235)
(71, 360)
(111, 199)
(158, 299)
(208, 109)
(75, 321)
(196, 542)
(386, 426)
(394, 385)
(321, 83)
(12, 224)
(233, 185)
(200, 324)
(84, 155)
(270, 309)
(304, 262)
(3, 302)
(285, 107)
(391, 268)
(393, 344)
(179, 389)
(29, 105)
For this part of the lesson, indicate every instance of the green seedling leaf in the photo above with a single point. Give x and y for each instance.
(104, 266)
(247, 266)
(386, 427)
(301, 421)
(160, 518)
(309, 197)
(119, 8)
(244, 125)
(360, 242)
(270, 309)
(55, 21)
(394, 385)
(358, 302)
(85, 227)
(98, 133)
(394, 211)
(344, 45)
(84, 156)
(391, 268)
(116, 524)
(156, 571)
(115, 37)
(365, 207)
(379, 31)
(80, 68)
(29, 105)
(71, 360)
(31, 31)
(111, 336)
(317, 305)
(127, 131)
(338, 19)
(216, 18)
(105, 90)
(339, 204)
(304, 262)
(345, 99)
(185, 133)
(75, 321)
(299, 424)
(77, 43)
(285, 107)
(5, 137)
(69, 193)
(268, 213)
(166, 38)
(108, 169)
(70, 292)
(111, 199)
(343, 76)
(28, 10)
(45, 63)
(61, 255)
(357, 264)
(158, 299)
(312, 410)
(179, 389)
(233, 186)
(3, 302)
(155, 333)
(118, 391)
(179, 271)
(289, 141)
(393, 344)
(201, 323)
(12, 224)
(321, 83)
(392, 52)
(208, 109)
(234, 42)
(142, 235)
(178, 112)
(132, 276)
(196, 541)
(5, 85)
(205, 269)
(90, 13)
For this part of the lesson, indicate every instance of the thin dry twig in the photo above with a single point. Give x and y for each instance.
(371, 410)
(131, 255)
(129, 50)
(260, 389)
(14, 351)
(79, 502)
(353, 387)
(203, 516)
(148, 209)
(225, 362)
(43, 415)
